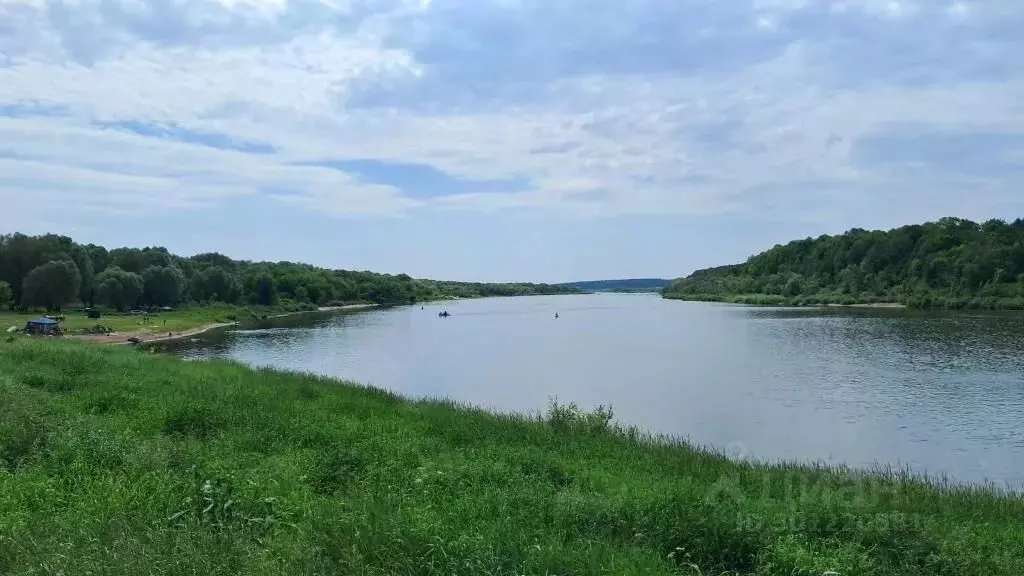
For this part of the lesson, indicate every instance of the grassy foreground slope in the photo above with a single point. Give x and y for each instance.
(951, 263)
(114, 461)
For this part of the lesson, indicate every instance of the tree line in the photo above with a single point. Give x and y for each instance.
(951, 263)
(51, 271)
(622, 285)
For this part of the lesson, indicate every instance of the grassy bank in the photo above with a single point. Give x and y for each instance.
(115, 461)
(187, 318)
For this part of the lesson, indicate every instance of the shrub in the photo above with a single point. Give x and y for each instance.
(569, 417)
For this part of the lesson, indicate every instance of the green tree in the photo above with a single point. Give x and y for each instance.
(389, 293)
(346, 290)
(264, 290)
(99, 256)
(6, 294)
(214, 259)
(51, 285)
(86, 291)
(215, 284)
(301, 294)
(157, 256)
(792, 288)
(119, 289)
(127, 259)
(162, 285)
(320, 291)
(952, 259)
(136, 260)
(21, 254)
(215, 277)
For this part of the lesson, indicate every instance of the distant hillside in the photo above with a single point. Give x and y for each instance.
(623, 285)
(952, 263)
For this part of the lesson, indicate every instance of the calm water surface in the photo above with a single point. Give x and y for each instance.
(940, 393)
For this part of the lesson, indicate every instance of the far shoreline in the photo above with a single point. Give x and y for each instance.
(738, 301)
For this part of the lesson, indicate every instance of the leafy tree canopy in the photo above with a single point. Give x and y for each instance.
(52, 284)
(6, 294)
(952, 262)
(119, 289)
(163, 285)
(126, 277)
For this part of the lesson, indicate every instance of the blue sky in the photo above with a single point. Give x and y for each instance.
(545, 140)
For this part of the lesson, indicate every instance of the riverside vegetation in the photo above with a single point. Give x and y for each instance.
(51, 271)
(119, 461)
(953, 263)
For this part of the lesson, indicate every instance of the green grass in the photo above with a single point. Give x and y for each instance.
(118, 461)
(176, 321)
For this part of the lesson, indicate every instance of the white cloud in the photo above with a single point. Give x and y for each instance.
(959, 9)
(767, 23)
(645, 108)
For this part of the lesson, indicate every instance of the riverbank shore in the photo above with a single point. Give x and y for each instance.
(938, 303)
(147, 336)
(772, 300)
(217, 468)
(350, 307)
(153, 334)
(890, 305)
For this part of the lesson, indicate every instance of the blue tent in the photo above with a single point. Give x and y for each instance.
(43, 321)
(42, 326)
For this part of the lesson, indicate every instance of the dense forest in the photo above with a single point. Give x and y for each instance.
(51, 271)
(623, 285)
(952, 263)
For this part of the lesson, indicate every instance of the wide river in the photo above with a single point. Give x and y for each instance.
(941, 394)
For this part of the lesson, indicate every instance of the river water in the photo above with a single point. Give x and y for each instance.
(940, 393)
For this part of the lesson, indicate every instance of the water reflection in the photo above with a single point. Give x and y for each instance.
(942, 393)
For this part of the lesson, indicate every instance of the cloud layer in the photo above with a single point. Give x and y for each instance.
(834, 113)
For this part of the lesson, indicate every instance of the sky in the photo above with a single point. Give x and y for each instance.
(498, 140)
